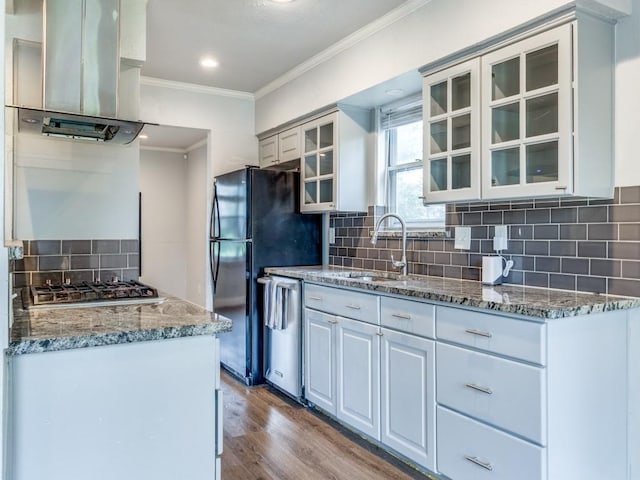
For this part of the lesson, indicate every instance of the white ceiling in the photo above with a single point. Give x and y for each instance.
(176, 139)
(255, 41)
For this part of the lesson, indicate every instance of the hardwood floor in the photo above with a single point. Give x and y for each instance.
(269, 437)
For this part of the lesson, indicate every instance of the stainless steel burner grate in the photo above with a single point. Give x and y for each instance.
(90, 292)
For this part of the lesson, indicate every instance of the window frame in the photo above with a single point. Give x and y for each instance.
(388, 130)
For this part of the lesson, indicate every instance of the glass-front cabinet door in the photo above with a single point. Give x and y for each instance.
(319, 165)
(526, 97)
(451, 114)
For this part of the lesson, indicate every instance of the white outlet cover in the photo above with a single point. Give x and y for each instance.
(462, 238)
(332, 235)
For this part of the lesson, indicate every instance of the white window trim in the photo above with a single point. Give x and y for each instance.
(383, 190)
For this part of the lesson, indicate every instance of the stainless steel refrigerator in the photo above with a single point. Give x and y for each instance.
(255, 223)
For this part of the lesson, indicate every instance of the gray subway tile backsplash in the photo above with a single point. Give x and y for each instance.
(602, 231)
(624, 213)
(76, 260)
(619, 286)
(592, 249)
(578, 266)
(45, 247)
(605, 268)
(563, 282)
(76, 246)
(630, 194)
(580, 244)
(105, 246)
(592, 214)
(53, 262)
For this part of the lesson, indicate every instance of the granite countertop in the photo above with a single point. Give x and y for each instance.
(46, 330)
(542, 303)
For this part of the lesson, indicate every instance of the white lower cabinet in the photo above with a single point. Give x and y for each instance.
(320, 359)
(493, 389)
(492, 396)
(358, 368)
(408, 396)
(470, 450)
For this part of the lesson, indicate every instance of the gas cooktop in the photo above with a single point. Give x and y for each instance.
(84, 294)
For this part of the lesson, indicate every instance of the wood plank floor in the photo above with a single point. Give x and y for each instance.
(269, 437)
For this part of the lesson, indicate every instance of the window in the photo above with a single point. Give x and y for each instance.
(402, 128)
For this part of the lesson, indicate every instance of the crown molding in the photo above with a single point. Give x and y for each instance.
(195, 88)
(359, 35)
(149, 148)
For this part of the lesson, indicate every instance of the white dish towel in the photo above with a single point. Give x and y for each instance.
(280, 300)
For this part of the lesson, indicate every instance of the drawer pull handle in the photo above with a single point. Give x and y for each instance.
(332, 321)
(353, 307)
(480, 463)
(380, 334)
(478, 388)
(315, 298)
(401, 315)
(480, 333)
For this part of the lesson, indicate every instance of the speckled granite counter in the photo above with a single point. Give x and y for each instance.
(45, 330)
(540, 303)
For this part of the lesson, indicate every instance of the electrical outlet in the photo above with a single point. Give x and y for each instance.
(462, 238)
(332, 235)
(500, 238)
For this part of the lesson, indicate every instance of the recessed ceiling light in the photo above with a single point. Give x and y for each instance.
(142, 136)
(208, 62)
(395, 92)
(282, 1)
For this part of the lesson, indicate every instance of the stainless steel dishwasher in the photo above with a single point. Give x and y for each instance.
(283, 341)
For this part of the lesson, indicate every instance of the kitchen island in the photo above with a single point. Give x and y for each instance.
(469, 381)
(103, 392)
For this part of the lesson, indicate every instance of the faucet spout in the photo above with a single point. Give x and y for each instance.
(374, 238)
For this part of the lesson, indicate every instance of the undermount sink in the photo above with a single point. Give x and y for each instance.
(370, 277)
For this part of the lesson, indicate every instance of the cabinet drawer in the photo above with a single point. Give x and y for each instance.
(345, 303)
(468, 449)
(493, 333)
(507, 394)
(408, 316)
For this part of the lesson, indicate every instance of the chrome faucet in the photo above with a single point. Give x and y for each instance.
(403, 261)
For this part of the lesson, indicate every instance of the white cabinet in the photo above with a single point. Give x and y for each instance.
(470, 450)
(289, 145)
(358, 378)
(320, 359)
(408, 395)
(268, 151)
(279, 148)
(380, 381)
(527, 118)
(527, 99)
(333, 170)
(137, 410)
(524, 399)
(452, 133)
(492, 396)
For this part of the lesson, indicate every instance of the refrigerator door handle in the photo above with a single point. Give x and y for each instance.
(214, 264)
(214, 220)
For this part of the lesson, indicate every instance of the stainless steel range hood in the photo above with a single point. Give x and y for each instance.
(81, 63)
(78, 127)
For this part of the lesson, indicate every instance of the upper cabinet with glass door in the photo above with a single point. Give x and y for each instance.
(527, 114)
(333, 162)
(451, 110)
(546, 118)
(547, 114)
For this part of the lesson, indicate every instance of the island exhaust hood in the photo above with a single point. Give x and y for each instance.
(81, 69)
(78, 127)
